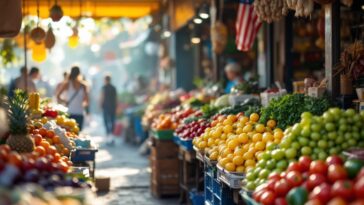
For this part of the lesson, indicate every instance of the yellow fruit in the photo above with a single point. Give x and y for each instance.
(271, 123)
(259, 128)
(254, 117)
(245, 147)
(268, 137)
(233, 143)
(247, 128)
(232, 118)
(213, 156)
(230, 157)
(44, 120)
(249, 163)
(239, 130)
(228, 129)
(224, 161)
(223, 136)
(238, 160)
(248, 155)
(230, 167)
(240, 169)
(226, 152)
(202, 145)
(277, 141)
(259, 155)
(228, 122)
(243, 120)
(278, 135)
(260, 146)
(239, 152)
(257, 137)
(247, 169)
(243, 138)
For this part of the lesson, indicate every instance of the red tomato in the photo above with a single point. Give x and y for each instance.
(343, 189)
(358, 202)
(336, 172)
(28, 164)
(337, 201)
(322, 193)
(305, 162)
(294, 166)
(334, 160)
(268, 198)
(270, 184)
(360, 174)
(318, 167)
(283, 174)
(274, 176)
(314, 202)
(315, 180)
(282, 187)
(258, 194)
(294, 178)
(359, 188)
(5, 147)
(280, 201)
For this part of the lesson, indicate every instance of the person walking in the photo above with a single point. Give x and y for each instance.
(108, 105)
(74, 94)
(22, 82)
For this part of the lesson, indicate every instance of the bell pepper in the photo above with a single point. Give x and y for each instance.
(50, 113)
(297, 196)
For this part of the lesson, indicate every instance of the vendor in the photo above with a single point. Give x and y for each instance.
(234, 76)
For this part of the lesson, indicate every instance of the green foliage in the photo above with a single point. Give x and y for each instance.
(209, 110)
(7, 52)
(18, 113)
(287, 109)
(127, 98)
(233, 110)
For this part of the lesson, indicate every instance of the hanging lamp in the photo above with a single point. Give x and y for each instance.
(73, 40)
(39, 52)
(56, 12)
(38, 34)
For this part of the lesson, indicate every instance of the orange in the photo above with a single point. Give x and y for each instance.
(57, 157)
(35, 131)
(240, 169)
(50, 134)
(238, 160)
(271, 123)
(230, 167)
(224, 161)
(268, 137)
(45, 144)
(43, 132)
(257, 137)
(37, 139)
(51, 150)
(56, 139)
(260, 146)
(254, 117)
(243, 138)
(40, 150)
(66, 151)
(15, 159)
(260, 128)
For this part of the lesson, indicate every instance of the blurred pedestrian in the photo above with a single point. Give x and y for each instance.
(234, 76)
(108, 101)
(75, 96)
(59, 85)
(22, 82)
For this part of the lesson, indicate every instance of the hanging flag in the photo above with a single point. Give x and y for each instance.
(247, 25)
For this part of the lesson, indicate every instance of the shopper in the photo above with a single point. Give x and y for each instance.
(65, 80)
(19, 83)
(41, 85)
(108, 103)
(75, 96)
(233, 74)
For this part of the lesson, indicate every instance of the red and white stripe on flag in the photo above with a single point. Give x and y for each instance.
(247, 26)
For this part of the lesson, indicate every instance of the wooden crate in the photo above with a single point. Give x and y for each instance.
(163, 149)
(159, 190)
(165, 171)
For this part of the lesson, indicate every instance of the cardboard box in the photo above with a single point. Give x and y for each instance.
(102, 183)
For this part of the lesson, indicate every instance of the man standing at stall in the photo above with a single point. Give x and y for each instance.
(108, 105)
(234, 76)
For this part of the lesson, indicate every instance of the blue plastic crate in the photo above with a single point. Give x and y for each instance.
(197, 198)
(186, 144)
(211, 170)
(216, 187)
(83, 155)
(176, 140)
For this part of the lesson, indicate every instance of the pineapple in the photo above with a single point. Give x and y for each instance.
(19, 140)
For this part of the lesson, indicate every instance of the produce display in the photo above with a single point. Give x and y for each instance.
(192, 129)
(288, 108)
(315, 182)
(315, 136)
(270, 11)
(236, 141)
(170, 120)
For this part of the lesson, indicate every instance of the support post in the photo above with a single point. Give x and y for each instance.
(332, 46)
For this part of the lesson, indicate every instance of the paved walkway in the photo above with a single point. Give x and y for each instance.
(128, 170)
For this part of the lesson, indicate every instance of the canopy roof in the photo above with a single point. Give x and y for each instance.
(95, 8)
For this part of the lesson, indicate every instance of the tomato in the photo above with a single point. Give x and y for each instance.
(37, 139)
(258, 194)
(336, 172)
(56, 157)
(343, 189)
(4, 155)
(337, 201)
(56, 139)
(280, 201)
(63, 166)
(50, 134)
(6, 148)
(43, 132)
(35, 131)
(294, 178)
(304, 162)
(15, 159)
(267, 198)
(282, 187)
(40, 150)
(318, 167)
(283, 174)
(274, 176)
(358, 202)
(51, 150)
(322, 193)
(270, 184)
(315, 180)
(360, 174)
(294, 166)
(313, 202)
(359, 188)
(28, 164)
(45, 144)
(334, 160)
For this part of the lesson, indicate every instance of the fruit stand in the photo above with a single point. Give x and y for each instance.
(43, 148)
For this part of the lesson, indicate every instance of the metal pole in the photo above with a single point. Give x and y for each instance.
(332, 45)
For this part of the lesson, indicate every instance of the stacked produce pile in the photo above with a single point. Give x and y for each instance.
(315, 136)
(310, 182)
(37, 150)
(171, 120)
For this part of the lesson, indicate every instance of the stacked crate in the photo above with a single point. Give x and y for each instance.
(165, 168)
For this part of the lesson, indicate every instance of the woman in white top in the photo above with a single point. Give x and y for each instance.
(75, 95)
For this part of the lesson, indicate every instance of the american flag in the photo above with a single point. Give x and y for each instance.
(247, 25)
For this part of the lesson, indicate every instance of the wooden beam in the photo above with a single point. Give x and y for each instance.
(332, 45)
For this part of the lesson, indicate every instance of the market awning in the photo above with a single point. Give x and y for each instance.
(96, 8)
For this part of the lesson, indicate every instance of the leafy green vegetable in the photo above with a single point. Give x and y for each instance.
(233, 110)
(209, 110)
(287, 109)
